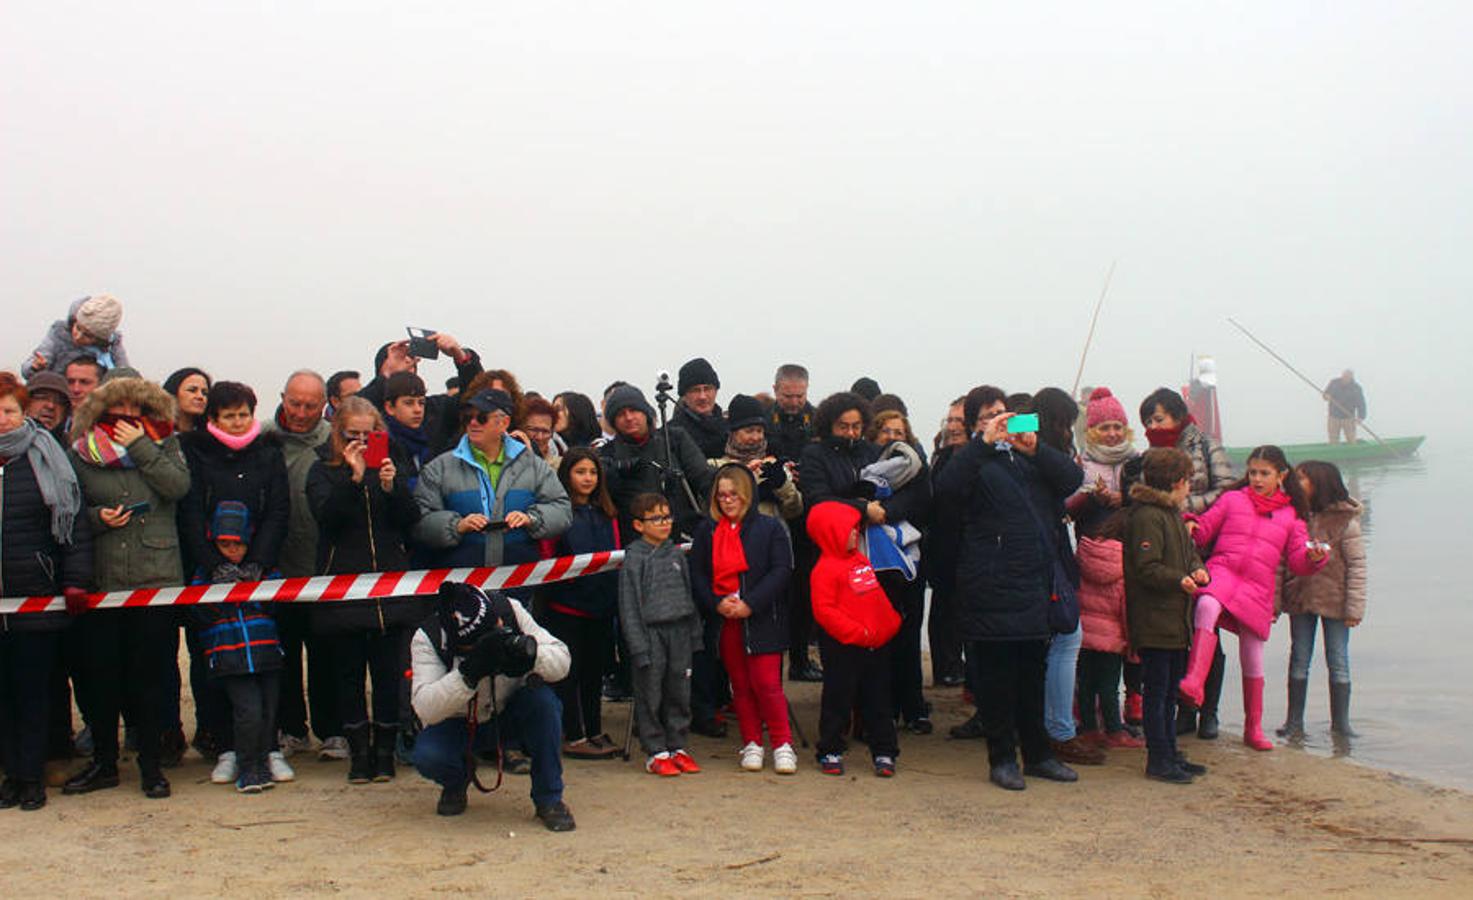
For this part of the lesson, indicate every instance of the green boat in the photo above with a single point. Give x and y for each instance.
(1366, 450)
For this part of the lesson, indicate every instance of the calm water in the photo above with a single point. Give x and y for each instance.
(1411, 660)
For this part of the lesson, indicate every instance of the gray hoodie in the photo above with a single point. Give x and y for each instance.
(654, 591)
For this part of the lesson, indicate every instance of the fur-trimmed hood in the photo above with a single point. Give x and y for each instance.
(151, 399)
(1141, 492)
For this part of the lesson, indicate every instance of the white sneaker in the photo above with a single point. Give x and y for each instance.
(290, 743)
(333, 748)
(225, 769)
(784, 760)
(752, 757)
(280, 770)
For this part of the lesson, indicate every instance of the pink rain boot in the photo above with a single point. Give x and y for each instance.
(1199, 660)
(1253, 715)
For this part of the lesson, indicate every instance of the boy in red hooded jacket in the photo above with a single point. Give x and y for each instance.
(858, 622)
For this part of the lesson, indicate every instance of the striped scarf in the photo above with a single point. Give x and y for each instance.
(99, 448)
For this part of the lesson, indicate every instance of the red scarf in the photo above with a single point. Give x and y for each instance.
(1165, 437)
(728, 559)
(156, 429)
(1266, 506)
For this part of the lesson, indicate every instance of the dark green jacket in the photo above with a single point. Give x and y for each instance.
(145, 552)
(1159, 553)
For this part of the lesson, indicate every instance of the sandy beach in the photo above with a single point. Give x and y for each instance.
(1278, 823)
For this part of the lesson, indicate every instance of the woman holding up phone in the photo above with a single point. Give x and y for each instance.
(360, 497)
(125, 453)
(1005, 485)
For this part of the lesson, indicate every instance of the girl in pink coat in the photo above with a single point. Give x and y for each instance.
(1255, 527)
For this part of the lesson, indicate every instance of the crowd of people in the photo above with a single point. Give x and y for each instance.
(1065, 569)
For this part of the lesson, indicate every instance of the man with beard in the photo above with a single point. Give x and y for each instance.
(698, 412)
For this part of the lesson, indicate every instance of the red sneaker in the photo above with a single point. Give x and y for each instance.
(1095, 738)
(1134, 714)
(685, 762)
(1122, 739)
(662, 765)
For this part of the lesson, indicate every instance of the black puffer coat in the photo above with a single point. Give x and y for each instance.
(709, 432)
(764, 586)
(32, 563)
(829, 470)
(255, 476)
(943, 533)
(1005, 565)
(634, 469)
(362, 528)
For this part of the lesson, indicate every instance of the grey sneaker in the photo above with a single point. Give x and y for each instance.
(333, 748)
(290, 743)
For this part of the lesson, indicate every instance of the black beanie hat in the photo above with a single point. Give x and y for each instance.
(622, 398)
(695, 372)
(379, 357)
(464, 612)
(743, 412)
(866, 387)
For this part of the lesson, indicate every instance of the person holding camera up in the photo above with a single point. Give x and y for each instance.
(747, 445)
(441, 418)
(361, 502)
(485, 655)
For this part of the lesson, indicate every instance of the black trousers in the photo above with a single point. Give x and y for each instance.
(253, 701)
(589, 641)
(1161, 672)
(125, 666)
(855, 675)
(1098, 680)
(800, 603)
(26, 661)
(293, 624)
(375, 654)
(906, 678)
(1133, 677)
(1009, 692)
(709, 688)
(59, 705)
(942, 629)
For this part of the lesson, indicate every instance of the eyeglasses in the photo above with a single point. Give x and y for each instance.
(659, 520)
(355, 435)
(481, 418)
(849, 428)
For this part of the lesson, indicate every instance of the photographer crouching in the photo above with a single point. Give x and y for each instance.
(480, 670)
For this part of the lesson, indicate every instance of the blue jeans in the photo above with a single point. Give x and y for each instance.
(1337, 647)
(1058, 684)
(532, 719)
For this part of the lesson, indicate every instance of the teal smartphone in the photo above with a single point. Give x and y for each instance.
(1023, 423)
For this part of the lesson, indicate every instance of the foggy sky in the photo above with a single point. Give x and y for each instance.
(929, 194)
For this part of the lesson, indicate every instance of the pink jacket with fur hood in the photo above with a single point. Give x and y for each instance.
(1245, 561)
(1102, 595)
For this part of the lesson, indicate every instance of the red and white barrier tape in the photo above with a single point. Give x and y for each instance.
(328, 588)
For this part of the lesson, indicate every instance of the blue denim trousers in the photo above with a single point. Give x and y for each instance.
(532, 719)
(1337, 646)
(1058, 685)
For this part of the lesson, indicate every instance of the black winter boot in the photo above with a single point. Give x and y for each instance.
(1186, 719)
(1340, 709)
(360, 753)
(1293, 726)
(384, 739)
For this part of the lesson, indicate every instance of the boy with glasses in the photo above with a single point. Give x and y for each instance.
(662, 630)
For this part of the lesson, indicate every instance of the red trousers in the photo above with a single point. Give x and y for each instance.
(756, 688)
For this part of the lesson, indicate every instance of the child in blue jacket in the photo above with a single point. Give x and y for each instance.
(244, 656)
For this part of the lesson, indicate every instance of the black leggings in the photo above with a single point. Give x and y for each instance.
(379, 653)
(26, 660)
(124, 665)
(1099, 680)
(253, 700)
(909, 598)
(581, 693)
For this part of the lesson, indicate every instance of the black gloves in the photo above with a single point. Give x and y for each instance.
(502, 652)
(518, 653)
(482, 660)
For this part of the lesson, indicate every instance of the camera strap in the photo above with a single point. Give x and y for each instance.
(472, 726)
